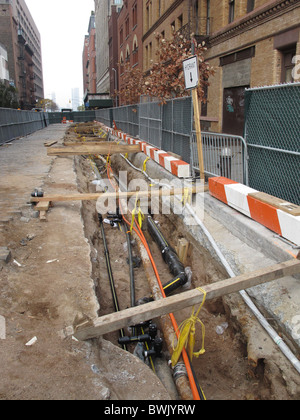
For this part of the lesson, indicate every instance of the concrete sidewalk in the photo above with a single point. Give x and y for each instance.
(24, 162)
(47, 284)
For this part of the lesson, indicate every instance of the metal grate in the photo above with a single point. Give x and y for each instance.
(272, 133)
(223, 155)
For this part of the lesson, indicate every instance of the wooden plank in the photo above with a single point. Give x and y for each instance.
(50, 143)
(43, 206)
(133, 316)
(198, 132)
(101, 149)
(43, 216)
(182, 250)
(278, 203)
(83, 143)
(116, 195)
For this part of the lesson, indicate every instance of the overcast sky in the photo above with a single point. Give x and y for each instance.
(62, 25)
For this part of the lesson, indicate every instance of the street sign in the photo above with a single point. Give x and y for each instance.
(191, 72)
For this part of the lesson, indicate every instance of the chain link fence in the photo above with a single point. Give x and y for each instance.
(272, 133)
(75, 116)
(15, 123)
(177, 125)
(150, 122)
(167, 127)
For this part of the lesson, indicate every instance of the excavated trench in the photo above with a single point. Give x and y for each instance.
(223, 371)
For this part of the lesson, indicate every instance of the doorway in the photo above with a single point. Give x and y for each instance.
(234, 110)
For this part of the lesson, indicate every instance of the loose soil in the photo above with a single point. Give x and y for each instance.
(223, 371)
(57, 368)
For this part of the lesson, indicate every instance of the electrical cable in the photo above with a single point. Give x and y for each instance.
(138, 231)
(110, 274)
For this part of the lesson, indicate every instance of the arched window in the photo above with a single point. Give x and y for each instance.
(121, 63)
(127, 54)
(135, 51)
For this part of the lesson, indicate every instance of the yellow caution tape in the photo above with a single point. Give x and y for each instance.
(187, 331)
(187, 196)
(145, 163)
(137, 211)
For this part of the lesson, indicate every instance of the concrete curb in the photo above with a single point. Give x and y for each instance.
(238, 197)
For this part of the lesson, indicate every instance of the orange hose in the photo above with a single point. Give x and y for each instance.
(140, 234)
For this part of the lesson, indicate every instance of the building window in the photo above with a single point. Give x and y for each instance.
(146, 56)
(127, 27)
(208, 17)
(121, 64)
(135, 52)
(147, 18)
(127, 59)
(287, 65)
(134, 16)
(250, 5)
(159, 9)
(179, 22)
(121, 36)
(231, 10)
(237, 56)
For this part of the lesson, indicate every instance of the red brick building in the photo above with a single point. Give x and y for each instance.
(21, 39)
(113, 52)
(89, 59)
(130, 34)
(85, 59)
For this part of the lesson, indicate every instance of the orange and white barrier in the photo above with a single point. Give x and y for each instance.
(240, 197)
(172, 164)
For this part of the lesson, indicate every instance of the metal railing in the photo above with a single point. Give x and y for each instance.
(223, 155)
(15, 123)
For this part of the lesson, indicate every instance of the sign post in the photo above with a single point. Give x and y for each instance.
(191, 77)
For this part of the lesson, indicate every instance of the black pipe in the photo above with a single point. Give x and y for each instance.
(37, 193)
(135, 339)
(110, 274)
(170, 257)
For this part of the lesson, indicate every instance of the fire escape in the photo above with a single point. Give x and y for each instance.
(26, 73)
(199, 23)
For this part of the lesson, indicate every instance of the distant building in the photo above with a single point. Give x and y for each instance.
(249, 43)
(4, 73)
(21, 38)
(130, 32)
(113, 46)
(85, 64)
(102, 15)
(162, 18)
(89, 59)
(75, 99)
